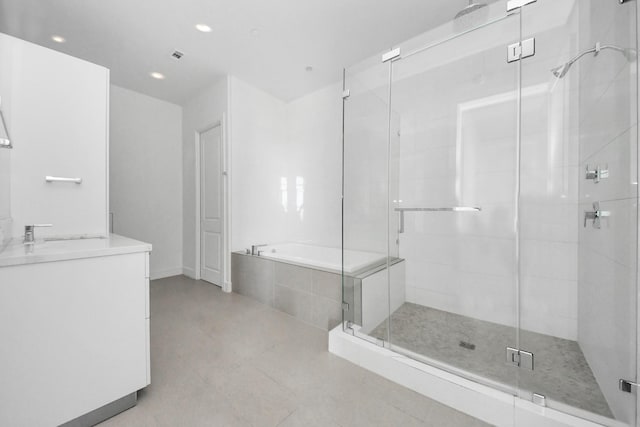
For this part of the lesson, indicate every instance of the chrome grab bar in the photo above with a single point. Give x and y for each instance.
(62, 179)
(450, 209)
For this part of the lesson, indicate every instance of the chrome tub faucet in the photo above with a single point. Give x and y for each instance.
(29, 232)
(255, 251)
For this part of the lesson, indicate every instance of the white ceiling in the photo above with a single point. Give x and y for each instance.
(135, 37)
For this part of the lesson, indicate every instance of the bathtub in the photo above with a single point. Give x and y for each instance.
(323, 257)
(306, 282)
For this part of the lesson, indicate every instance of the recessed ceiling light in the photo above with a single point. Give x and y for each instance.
(58, 39)
(254, 32)
(157, 75)
(203, 27)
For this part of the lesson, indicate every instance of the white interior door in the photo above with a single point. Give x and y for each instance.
(211, 206)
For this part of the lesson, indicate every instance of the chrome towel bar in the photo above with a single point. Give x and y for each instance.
(62, 179)
(453, 209)
(450, 209)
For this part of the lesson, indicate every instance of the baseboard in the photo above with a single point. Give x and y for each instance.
(227, 287)
(104, 413)
(189, 272)
(154, 275)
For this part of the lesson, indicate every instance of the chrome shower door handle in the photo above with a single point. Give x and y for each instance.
(595, 215)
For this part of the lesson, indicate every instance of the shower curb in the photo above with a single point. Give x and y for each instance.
(485, 403)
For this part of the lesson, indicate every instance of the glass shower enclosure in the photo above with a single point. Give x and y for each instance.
(493, 163)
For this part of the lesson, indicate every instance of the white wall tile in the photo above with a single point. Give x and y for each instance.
(552, 260)
(549, 306)
(619, 157)
(260, 160)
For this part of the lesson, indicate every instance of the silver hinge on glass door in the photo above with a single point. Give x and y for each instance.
(392, 54)
(517, 4)
(520, 358)
(627, 386)
(517, 51)
(597, 174)
(346, 93)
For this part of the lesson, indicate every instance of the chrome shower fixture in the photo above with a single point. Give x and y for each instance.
(472, 7)
(562, 70)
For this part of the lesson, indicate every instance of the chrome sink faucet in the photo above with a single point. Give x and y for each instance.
(254, 249)
(29, 232)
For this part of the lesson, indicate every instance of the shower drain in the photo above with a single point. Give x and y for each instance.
(467, 345)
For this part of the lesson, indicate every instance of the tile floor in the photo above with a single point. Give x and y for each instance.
(226, 360)
(561, 370)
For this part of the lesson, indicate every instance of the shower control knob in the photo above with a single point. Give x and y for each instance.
(595, 215)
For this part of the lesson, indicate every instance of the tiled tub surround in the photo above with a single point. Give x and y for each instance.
(314, 295)
(311, 295)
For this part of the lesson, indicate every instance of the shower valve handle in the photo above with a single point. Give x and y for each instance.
(595, 215)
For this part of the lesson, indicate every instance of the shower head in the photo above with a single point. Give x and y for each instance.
(472, 7)
(562, 70)
(630, 55)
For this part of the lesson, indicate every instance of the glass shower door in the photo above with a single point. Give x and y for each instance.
(453, 177)
(365, 196)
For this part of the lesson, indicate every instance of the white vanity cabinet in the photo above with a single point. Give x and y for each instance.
(74, 328)
(57, 112)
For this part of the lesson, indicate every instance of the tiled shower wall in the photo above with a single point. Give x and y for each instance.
(607, 256)
(5, 154)
(5, 195)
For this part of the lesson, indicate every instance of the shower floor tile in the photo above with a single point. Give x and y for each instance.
(561, 370)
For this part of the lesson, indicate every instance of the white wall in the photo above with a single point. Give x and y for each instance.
(285, 172)
(607, 293)
(146, 175)
(206, 109)
(59, 126)
(260, 159)
(286, 167)
(314, 139)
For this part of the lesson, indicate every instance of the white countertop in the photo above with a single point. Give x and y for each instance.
(17, 253)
